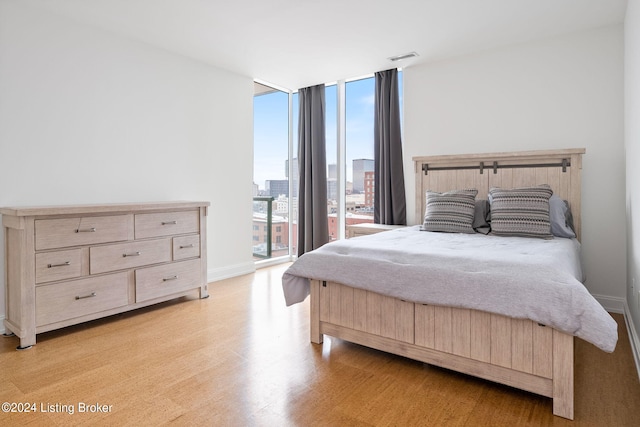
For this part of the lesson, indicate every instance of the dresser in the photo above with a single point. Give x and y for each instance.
(70, 264)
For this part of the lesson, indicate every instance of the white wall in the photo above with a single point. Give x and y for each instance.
(563, 92)
(632, 145)
(89, 117)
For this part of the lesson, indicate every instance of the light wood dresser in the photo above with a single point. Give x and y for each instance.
(70, 264)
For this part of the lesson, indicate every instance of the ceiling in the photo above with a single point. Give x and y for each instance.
(299, 43)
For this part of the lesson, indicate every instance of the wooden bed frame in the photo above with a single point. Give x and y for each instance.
(515, 352)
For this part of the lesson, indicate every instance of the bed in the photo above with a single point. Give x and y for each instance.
(468, 302)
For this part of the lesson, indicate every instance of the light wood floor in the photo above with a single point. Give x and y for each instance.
(241, 358)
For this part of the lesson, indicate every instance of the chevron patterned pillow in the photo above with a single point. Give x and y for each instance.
(450, 212)
(521, 211)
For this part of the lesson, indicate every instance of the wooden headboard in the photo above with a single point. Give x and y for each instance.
(561, 169)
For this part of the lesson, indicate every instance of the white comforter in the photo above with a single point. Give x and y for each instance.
(518, 277)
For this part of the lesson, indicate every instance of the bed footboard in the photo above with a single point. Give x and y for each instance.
(515, 352)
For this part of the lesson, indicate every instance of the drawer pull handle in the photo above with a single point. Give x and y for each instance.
(166, 279)
(86, 230)
(91, 295)
(169, 222)
(64, 264)
(186, 246)
(133, 254)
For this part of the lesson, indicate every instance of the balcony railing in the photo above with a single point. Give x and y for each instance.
(264, 250)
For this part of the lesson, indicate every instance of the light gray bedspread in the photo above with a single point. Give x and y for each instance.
(518, 277)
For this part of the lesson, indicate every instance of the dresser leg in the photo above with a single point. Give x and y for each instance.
(204, 292)
(26, 343)
(21, 346)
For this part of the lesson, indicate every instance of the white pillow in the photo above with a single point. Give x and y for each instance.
(561, 218)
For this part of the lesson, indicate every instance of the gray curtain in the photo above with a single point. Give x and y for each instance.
(313, 226)
(390, 205)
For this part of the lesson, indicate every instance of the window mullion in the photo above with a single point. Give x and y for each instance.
(341, 158)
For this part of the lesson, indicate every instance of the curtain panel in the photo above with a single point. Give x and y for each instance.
(390, 205)
(313, 226)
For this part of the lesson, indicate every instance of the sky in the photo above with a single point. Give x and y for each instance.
(271, 128)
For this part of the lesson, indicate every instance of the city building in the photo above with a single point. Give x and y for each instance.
(360, 167)
(277, 187)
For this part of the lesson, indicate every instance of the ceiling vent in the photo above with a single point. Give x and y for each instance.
(401, 57)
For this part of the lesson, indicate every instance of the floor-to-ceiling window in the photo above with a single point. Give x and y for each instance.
(350, 189)
(359, 103)
(272, 192)
(359, 149)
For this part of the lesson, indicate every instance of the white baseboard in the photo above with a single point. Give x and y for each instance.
(215, 274)
(633, 337)
(2, 328)
(611, 304)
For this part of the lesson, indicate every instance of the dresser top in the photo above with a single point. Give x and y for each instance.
(105, 208)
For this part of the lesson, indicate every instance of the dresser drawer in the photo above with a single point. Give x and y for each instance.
(186, 247)
(166, 224)
(107, 258)
(63, 301)
(58, 265)
(155, 282)
(60, 233)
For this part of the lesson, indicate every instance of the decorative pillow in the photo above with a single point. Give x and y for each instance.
(450, 212)
(521, 211)
(561, 218)
(482, 216)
